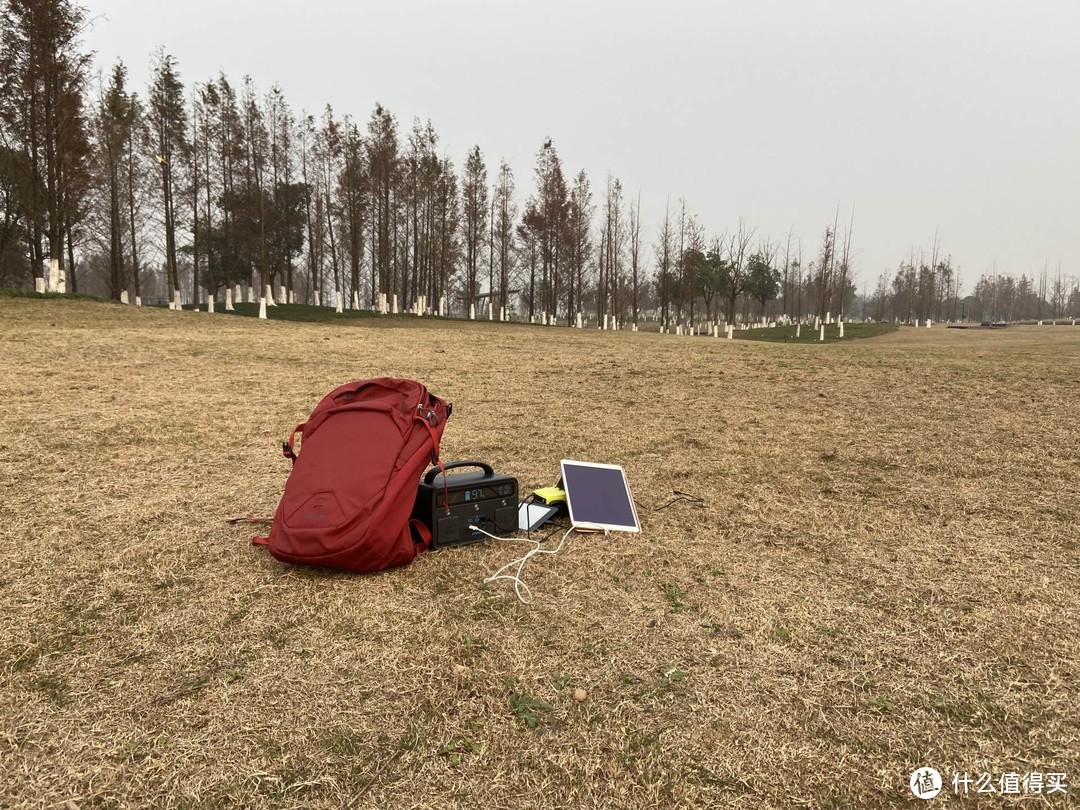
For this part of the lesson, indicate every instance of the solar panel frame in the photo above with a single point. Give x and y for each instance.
(617, 514)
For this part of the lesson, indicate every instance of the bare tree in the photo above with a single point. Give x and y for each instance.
(738, 256)
(42, 79)
(474, 212)
(635, 258)
(665, 252)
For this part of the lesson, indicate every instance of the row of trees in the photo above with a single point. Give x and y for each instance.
(189, 192)
(927, 286)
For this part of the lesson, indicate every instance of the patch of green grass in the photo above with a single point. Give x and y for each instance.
(455, 750)
(524, 705)
(670, 676)
(881, 705)
(786, 334)
(11, 292)
(673, 593)
(560, 680)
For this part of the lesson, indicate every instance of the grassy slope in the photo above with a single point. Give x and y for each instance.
(877, 578)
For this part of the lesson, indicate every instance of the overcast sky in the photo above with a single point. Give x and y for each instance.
(961, 116)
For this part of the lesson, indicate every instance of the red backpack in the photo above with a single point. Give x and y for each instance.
(353, 483)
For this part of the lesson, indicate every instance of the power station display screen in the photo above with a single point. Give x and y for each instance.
(475, 494)
(598, 496)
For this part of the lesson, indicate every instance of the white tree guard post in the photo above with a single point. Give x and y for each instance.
(338, 308)
(262, 308)
(841, 327)
(395, 309)
(822, 338)
(57, 277)
(228, 300)
(123, 297)
(138, 300)
(355, 299)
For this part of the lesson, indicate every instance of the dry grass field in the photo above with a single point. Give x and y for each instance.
(883, 573)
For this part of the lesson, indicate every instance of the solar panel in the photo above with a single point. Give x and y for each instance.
(598, 496)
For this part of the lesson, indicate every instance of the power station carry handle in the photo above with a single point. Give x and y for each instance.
(430, 477)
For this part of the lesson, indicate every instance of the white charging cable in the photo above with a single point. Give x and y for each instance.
(521, 589)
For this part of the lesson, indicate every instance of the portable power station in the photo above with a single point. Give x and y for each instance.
(449, 504)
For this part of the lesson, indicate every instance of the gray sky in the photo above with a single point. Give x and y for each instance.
(957, 115)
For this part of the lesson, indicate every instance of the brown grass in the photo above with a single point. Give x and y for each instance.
(883, 574)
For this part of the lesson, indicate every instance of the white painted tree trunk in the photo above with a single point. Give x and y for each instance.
(262, 308)
(338, 308)
(138, 300)
(228, 300)
(39, 285)
(291, 296)
(57, 277)
(442, 306)
(798, 330)
(210, 303)
(491, 311)
(283, 297)
(355, 300)
(395, 309)
(176, 299)
(123, 297)
(251, 294)
(472, 312)
(822, 338)
(318, 298)
(841, 327)
(579, 322)
(238, 296)
(270, 302)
